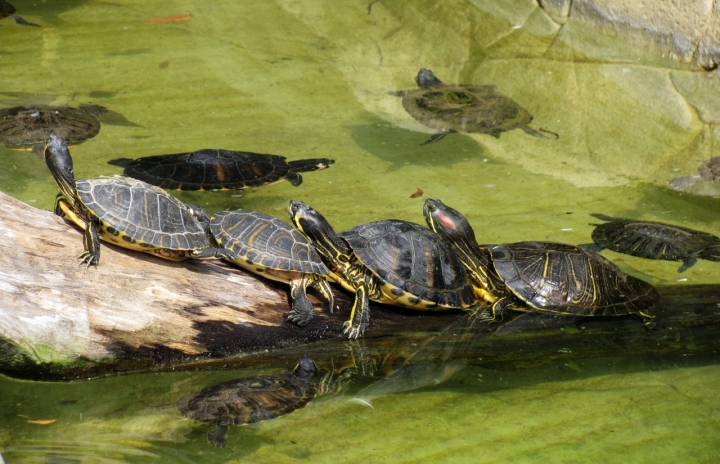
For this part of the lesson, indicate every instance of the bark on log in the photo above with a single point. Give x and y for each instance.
(136, 311)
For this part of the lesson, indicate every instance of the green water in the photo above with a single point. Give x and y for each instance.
(311, 78)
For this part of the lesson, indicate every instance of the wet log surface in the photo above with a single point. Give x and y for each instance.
(138, 312)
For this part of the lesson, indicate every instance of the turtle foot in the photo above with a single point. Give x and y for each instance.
(353, 332)
(90, 258)
(300, 318)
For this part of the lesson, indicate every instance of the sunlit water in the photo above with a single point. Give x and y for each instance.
(309, 79)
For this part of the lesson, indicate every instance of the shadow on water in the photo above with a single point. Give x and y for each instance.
(402, 147)
(48, 12)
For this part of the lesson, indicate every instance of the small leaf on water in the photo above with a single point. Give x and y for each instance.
(42, 421)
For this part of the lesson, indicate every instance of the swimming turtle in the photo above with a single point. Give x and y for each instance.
(655, 240)
(390, 261)
(211, 169)
(463, 108)
(271, 248)
(547, 277)
(6, 9)
(709, 170)
(251, 399)
(127, 212)
(30, 126)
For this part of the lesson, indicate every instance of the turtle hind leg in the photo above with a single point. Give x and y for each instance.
(302, 310)
(530, 131)
(687, 263)
(435, 138)
(217, 436)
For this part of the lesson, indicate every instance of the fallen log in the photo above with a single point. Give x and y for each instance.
(59, 321)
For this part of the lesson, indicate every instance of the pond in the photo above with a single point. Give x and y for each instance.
(315, 79)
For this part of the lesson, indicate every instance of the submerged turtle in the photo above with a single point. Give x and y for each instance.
(391, 261)
(547, 277)
(211, 169)
(7, 10)
(251, 399)
(271, 248)
(127, 212)
(30, 126)
(655, 240)
(709, 170)
(463, 108)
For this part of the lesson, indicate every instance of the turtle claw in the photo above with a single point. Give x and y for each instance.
(352, 332)
(90, 258)
(298, 318)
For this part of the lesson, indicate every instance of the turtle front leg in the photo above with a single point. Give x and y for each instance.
(91, 241)
(302, 310)
(359, 314)
(217, 436)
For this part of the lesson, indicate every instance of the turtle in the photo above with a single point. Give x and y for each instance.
(251, 399)
(709, 170)
(388, 261)
(463, 108)
(28, 127)
(128, 213)
(271, 248)
(8, 11)
(654, 240)
(213, 169)
(546, 277)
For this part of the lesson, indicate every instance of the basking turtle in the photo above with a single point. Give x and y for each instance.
(271, 248)
(211, 169)
(251, 399)
(391, 261)
(463, 108)
(30, 126)
(127, 212)
(547, 277)
(655, 240)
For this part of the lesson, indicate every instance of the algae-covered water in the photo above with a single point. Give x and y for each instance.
(313, 78)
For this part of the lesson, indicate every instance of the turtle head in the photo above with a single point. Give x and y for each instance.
(447, 221)
(426, 79)
(318, 231)
(57, 158)
(305, 368)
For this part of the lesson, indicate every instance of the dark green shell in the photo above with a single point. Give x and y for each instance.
(28, 126)
(463, 108)
(211, 169)
(266, 240)
(140, 214)
(655, 240)
(251, 399)
(413, 259)
(562, 279)
(6, 9)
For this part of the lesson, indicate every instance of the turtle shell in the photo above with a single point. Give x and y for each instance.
(211, 169)
(140, 216)
(654, 240)
(558, 278)
(419, 267)
(29, 126)
(260, 239)
(251, 399)
(6, 9)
